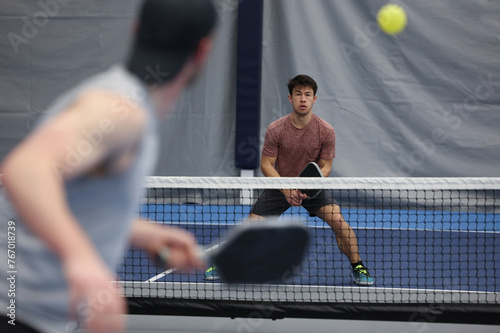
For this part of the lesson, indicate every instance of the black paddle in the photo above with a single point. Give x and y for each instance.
(311, 170)
(258, 253)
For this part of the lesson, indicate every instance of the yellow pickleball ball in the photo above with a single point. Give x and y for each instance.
(392, 19)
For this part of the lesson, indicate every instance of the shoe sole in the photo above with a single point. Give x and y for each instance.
(212, 278)
(364, 283)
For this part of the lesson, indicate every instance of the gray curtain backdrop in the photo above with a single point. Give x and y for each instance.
(47, 46)
(424, 103)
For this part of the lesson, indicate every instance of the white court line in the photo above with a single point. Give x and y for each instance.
(326, 226)
(171, 270)
(159, 276)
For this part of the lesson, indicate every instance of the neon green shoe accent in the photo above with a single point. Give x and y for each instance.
(361, 276)
(212, 274)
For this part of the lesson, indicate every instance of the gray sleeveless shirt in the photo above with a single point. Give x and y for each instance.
(105, 207)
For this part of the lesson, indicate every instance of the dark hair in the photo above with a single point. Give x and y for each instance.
(169, 31)
(302, 81)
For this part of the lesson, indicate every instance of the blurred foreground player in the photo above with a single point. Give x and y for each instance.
(290, 144)
(72, 187)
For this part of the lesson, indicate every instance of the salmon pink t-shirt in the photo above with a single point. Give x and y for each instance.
(295, 148)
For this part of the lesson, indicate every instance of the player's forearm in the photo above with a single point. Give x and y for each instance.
(268, 170)
(39, 198)
(142, 233)
(154, 237)
(148, 235)
(325, 167)
(326, 171)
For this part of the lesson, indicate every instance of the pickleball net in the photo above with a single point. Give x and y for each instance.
(431, 244)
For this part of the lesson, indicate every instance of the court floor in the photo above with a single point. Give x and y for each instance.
(157, 324)
(403, 249)
(418, 252)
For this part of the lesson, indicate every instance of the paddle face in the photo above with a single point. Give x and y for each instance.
(311, 170)
(262, 253)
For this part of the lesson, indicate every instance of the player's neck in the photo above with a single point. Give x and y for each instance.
(301, 120)
(165, 96)
(164, 99)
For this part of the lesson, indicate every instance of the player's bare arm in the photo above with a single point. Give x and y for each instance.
(48, 215)
(154, 237)
(39, 196)
(267, 166)
(325, 166)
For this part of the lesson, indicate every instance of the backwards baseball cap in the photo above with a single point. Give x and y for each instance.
(168, 32)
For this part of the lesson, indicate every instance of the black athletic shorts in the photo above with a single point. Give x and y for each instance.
(273, 203)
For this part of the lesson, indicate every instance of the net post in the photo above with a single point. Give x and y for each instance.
(246, 195)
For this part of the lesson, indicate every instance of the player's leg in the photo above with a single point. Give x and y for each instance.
(346, 241)
(255, 218)
(326, 207)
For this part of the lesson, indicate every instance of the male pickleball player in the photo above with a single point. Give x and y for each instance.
(291, 142)
(72, 187)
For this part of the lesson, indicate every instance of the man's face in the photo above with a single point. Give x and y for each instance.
(302, 100)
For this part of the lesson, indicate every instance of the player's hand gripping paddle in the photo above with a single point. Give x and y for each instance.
(258, 253)
(311, 170)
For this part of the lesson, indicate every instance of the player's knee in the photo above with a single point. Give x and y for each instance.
(337, 223)
(331, 213)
